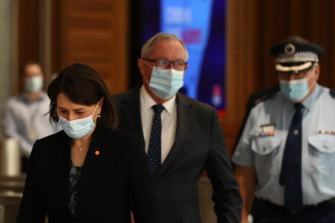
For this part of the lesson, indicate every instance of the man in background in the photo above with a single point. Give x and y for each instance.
(25, 115)
(285, 156)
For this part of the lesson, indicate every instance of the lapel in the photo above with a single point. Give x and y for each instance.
(92, 160)
(184, 117)
(130, 111)
(93, 164)
(61, 171)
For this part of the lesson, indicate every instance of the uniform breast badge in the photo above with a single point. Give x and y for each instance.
(267, 130)
(326, 132)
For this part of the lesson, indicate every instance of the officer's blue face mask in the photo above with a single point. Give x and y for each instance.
(165, 83)
(33, 84)
(78, 128)
(294, 90)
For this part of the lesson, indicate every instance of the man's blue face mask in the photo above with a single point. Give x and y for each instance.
(33, 84)
(165, 83)
(294, 90)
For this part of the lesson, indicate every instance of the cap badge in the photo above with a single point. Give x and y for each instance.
(289, 49)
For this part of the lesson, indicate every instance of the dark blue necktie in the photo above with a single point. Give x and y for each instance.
(154, 149)
(290, 176)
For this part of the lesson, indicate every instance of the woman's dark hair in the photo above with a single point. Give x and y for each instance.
(82, 85)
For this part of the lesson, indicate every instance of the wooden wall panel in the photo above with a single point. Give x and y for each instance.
(28, 31)
(95, 32)
(27, 36)
(241, 50)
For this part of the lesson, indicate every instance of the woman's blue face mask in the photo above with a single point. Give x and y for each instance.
(78, 128)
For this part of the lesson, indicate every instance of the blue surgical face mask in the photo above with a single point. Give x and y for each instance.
(294, 90)
(165, 83)
(33, 84)
(78, 128)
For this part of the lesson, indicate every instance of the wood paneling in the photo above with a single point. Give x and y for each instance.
(242, 46)
(27, 36)
(95, 32)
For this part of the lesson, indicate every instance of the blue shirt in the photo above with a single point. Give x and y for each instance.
(264, 149)
(26, 120)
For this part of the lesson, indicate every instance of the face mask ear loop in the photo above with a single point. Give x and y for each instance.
(145, 79)
(94, 112)
(95, 109)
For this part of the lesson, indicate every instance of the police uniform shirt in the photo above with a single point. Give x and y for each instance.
(263, 142)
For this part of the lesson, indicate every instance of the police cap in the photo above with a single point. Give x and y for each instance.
(295, 54)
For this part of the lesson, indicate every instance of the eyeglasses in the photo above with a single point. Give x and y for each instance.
(165, 64)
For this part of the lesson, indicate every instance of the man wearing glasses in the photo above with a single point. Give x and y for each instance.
(182, 136)
(286, 154)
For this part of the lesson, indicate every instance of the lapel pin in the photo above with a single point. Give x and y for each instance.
(97, 152)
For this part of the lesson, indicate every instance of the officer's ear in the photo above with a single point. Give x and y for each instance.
(316, 72)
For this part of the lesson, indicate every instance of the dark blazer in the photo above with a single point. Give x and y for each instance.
(111, 183)
(199, 144)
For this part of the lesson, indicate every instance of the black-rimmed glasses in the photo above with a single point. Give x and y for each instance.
(165, 64)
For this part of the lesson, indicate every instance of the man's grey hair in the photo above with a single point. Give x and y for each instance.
(147, 47)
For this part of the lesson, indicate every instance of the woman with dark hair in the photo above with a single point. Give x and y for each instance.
(89, 172)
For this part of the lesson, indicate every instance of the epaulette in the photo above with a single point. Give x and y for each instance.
(265, 95)
(263, 98)
(332, 93)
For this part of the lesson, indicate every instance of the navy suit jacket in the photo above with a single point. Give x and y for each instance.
(198, 145)
(111, 184)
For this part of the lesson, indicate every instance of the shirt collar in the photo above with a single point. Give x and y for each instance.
(41, 97)
(147, 102)
(309, 101)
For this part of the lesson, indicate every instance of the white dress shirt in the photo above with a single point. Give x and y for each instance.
(169, 121)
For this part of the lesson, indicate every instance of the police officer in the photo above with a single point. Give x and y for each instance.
(286, 154)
